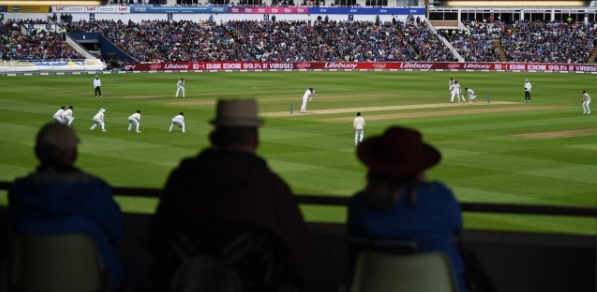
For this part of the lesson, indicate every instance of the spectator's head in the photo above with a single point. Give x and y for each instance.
(56, 145)
(396, 160)
(399, 153)
(236, 125)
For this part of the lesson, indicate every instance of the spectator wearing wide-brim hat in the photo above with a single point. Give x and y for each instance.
(228, 183)
(398, 202)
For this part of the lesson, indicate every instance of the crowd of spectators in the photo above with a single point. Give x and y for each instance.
(297, 41)
(280, 41)
(251, 40)
(476, 43)
(36, 44)
(555, 42)
(162, 40)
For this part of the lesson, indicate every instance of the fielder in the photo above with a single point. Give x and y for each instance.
(358, 125)
(586, 101)
(97, 83)
(98, 120)
(58, 116)
(180, 87)
(179, 121)
(135, 119)
(471, 94)
(67, 116)
(308, 96)
(527, 90)
(456, 91)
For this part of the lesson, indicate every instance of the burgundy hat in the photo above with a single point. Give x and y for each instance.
(399, 153)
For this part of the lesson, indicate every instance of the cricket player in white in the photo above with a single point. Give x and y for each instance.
(178, 120)
(456, 91)
(586, 101)
(135, 119)
(471, 94)
(527, 90)
(180, 87)
(98, 119)
(58, 116)
(358, 125)
(308, 96)
(450, 84)
(67, 116)
(97, 84)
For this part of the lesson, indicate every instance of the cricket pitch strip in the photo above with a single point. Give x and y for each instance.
(479, 107)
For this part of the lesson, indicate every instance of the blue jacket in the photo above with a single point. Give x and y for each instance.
(433, 221)
(66, 200)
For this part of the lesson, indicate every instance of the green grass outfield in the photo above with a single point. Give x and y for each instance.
(507, 151)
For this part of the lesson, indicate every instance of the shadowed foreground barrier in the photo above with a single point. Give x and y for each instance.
(517, 261)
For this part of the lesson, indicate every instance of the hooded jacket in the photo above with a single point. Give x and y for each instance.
(66, 200)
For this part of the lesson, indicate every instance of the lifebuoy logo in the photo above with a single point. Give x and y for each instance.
(303, 65)
(176, 66)
(351, 66)
(415, 66)
(154, 67)
(477, 66)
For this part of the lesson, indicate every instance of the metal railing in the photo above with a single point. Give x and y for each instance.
(576, 211)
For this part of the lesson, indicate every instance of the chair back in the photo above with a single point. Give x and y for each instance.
(423, 272)
(393, 246)
(57, 263)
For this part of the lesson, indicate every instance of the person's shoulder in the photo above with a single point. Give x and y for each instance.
(436, 188)
(356, 199)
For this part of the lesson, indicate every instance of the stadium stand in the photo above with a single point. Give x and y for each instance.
(248, 40)
(555, 42)
(38, 44)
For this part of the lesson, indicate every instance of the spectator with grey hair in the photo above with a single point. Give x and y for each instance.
(60, 198)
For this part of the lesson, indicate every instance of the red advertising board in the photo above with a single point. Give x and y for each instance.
(227, 66)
